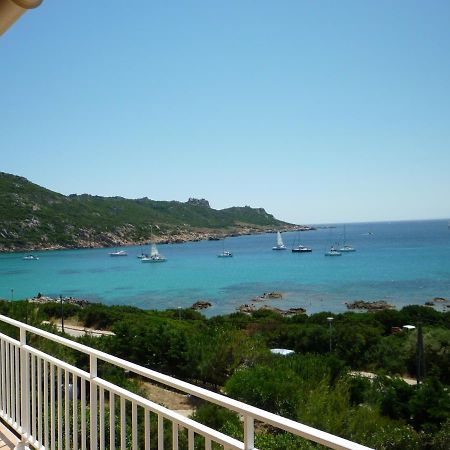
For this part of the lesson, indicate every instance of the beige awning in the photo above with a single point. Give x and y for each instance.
(11, 10)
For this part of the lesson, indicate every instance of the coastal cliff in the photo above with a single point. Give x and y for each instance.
(35, 218)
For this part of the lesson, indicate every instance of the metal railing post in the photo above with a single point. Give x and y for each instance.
(93, 400)
(249, 433)
(24, 386)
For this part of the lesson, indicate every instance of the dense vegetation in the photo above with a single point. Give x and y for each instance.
(314, 386)
(34, 217)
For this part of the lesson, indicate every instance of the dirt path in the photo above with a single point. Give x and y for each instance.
(181, 403)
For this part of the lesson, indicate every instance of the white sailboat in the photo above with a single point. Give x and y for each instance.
(224, 253)
(280, 245)
(333, 252)
(345, 247)
(154, 257)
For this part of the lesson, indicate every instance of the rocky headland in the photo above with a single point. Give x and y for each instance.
(35, 218)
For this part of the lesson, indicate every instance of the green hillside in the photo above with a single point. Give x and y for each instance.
(33, 217)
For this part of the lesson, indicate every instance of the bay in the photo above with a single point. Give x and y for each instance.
(400, 262)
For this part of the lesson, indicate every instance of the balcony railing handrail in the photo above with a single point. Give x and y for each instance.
(247, 411)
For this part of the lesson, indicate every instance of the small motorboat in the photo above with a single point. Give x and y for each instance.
(31, 258)
(225, 254)
(119, 253)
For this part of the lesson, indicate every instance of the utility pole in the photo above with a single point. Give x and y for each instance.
(420, 360)
(62, 313)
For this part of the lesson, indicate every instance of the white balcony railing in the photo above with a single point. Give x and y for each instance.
(55, 405)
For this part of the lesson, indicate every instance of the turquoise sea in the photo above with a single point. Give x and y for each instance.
(400, 262)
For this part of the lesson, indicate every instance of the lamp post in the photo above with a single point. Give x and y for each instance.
(330, 321)
(179, 313)
(420, 354)
(12, 294)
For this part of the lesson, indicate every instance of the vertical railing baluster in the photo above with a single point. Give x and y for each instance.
(93, 400)
(207, 443)
(2, 359)
(134, 428)
(8, 383)
(24, 385)
(160, 432)
(33, 397)
(112, 421)
(39, 401)
(66, 410)
(59, 407)
(74, 412)
(123, 424)
(102, 418)
(249, 433)
(190, 439)
(13, 380)
(174, 436)
(52, 407)
(147, 429)
(46, 436)
(17, 383)
(83, 414)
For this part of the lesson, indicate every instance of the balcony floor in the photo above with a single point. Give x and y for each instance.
(7, 439)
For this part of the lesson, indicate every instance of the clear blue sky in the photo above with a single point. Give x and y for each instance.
(318, 111)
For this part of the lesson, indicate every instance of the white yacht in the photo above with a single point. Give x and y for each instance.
(119, 253)
(31, 258)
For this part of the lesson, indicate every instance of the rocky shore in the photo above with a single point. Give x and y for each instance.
(88, 239)
(44, 299)
(251, 308)
(369, 306)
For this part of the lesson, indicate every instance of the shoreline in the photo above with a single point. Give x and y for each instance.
(266, 302)
(166, 238)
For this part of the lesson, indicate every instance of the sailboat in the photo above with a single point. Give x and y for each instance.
(280, 245)
(224, 253)
(333, 252)
(346, 248)
(155, 256)
(300, 248)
